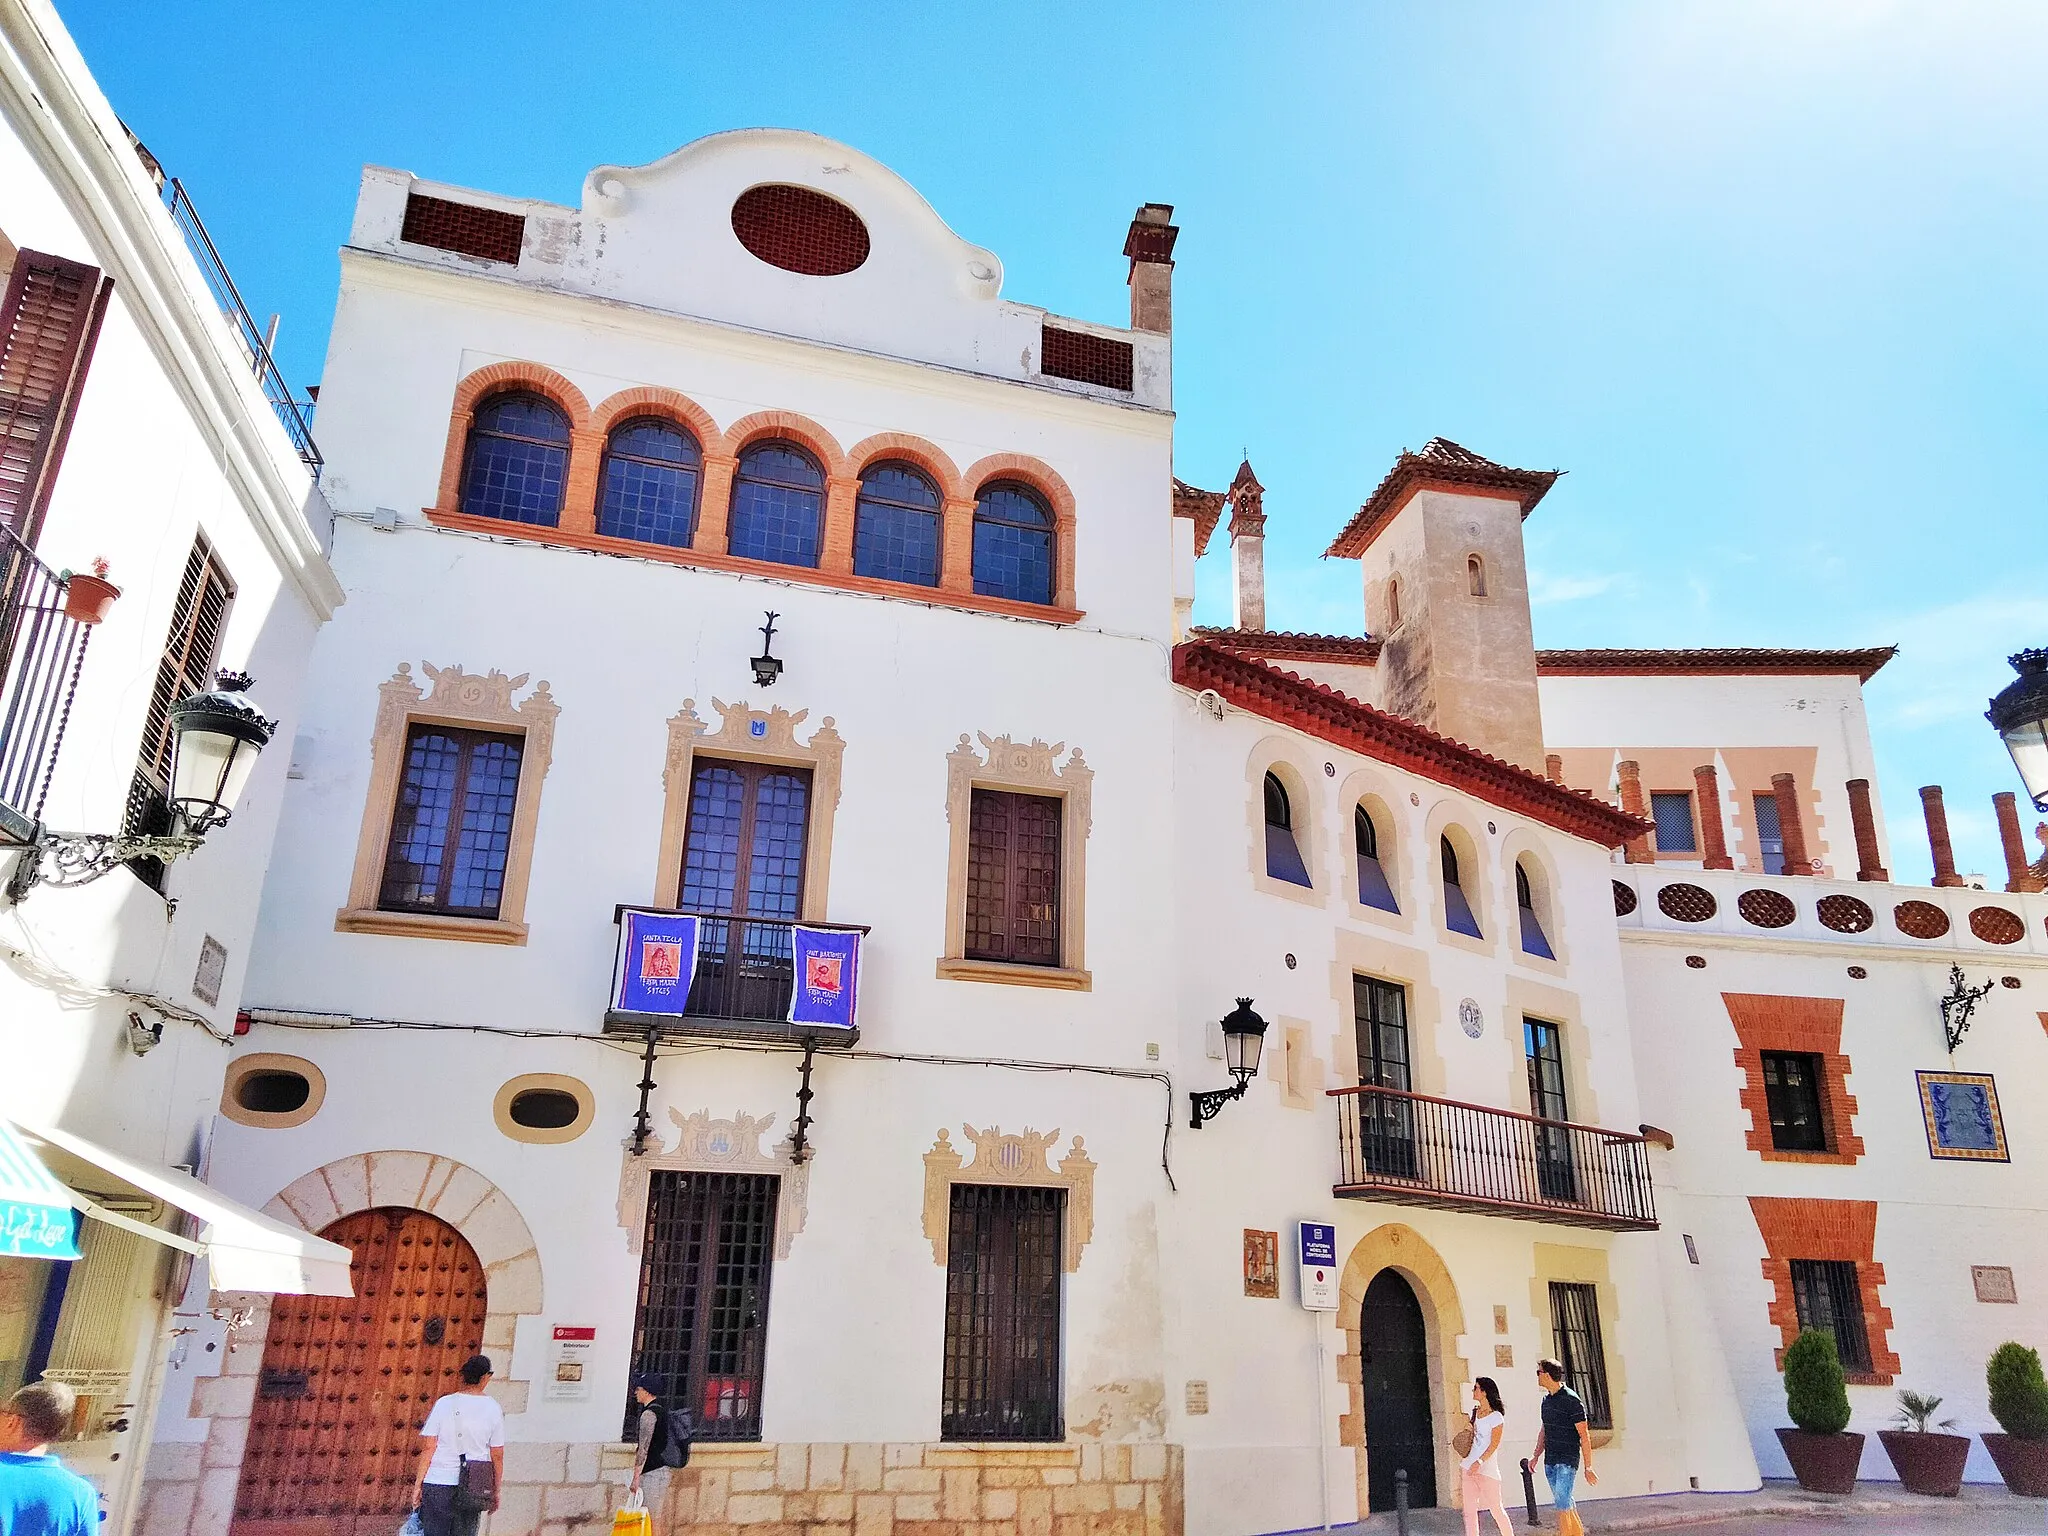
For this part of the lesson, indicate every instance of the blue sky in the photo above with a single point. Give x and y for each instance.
(1765, 278)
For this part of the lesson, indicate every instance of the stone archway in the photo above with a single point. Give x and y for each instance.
(1402, 1249)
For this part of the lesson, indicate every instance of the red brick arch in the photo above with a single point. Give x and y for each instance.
(1045, 480)
(749, 430)
(929, 457)
(651, 400)
(498, 378)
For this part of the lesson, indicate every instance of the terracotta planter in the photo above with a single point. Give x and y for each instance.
(2022, 1463)
(1927, 1463)
(1823, 1463)
(87, 598)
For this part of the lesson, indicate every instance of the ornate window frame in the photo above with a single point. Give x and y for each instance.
(705, 1144)
(1022, 1159)
(466, 701)
(757, 736)
(1031, 768)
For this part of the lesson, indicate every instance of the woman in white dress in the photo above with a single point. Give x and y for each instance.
(1480, 1469)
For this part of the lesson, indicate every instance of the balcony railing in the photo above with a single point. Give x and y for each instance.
(41, 651)
(291, 413)
(1410, 1149)
(741, 987)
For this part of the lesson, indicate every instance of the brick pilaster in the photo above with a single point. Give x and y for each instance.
(1937, 836)
(1791, 824)
(1629, 774)
(1864, 820)
(1707, 801)
(2019, 876)
(714, 506)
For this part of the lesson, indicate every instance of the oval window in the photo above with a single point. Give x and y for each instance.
(273, 1092)
(800, 231)
(544, 1109)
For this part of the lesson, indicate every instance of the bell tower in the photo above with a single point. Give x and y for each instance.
(1447, 593)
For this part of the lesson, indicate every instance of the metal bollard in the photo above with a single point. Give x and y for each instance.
(1529, 1493)
(1401, 1500)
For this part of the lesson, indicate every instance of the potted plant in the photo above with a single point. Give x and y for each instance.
(87, 597)
(2019, 1401)
(1817, 1398)
(1927, 1461)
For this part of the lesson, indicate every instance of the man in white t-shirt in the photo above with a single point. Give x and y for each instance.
(464, 1426)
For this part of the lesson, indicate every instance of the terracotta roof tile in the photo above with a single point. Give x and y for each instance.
(1342, 721)
(1204, 507)
(1709, 660)
(1442, 465)
(1280, 644)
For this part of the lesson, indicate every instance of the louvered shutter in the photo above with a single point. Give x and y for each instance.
(48, 324)
(186, 667)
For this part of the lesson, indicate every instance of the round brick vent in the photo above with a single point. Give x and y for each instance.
(1766, 909)
(1920, 919)
(1995, 925)
(1844, 914)
(799, 230)
(1686, 903)
(1624, 899)
(2010, 981)
(1696, 962)
(1857, 973)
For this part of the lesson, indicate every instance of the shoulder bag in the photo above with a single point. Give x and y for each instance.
(1461, 1442)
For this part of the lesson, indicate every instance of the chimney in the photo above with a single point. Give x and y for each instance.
(1150, 247)
(1864, 821)
(2019, 875)
(1553, 767)
(1791, 828)
(1637, 849)
(1248, 547)
(1937, 836)
(1707, 799)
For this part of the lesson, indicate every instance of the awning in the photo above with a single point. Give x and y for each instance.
(35, 1210)
(245, 1250)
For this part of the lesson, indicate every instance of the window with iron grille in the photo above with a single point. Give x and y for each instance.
(1673, 815)
(1827, 1296)
(452, 830)
(463, 228)
(1013, 553)
(701, 1324)
(1770, 837)
(1002, 1357)
(1575, 1336)
(186, 667)
(1085, 357)
(1792, 1093)
(49, 322)
(1013, 877)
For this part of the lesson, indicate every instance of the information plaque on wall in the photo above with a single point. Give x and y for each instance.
(1317, 1246)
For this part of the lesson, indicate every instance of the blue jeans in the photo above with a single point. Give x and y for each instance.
(1562, 1474)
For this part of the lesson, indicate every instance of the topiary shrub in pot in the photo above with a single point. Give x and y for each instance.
(1926, 1460)
(2019, 1401)
(1817, 1399)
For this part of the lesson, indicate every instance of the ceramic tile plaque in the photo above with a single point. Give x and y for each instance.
(1261, 1263)
(1961, 1111)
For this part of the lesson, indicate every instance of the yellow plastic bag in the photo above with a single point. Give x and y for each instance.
(632, 1518)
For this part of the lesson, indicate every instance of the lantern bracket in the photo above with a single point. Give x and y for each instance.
(1958, 1005)
(64, 859)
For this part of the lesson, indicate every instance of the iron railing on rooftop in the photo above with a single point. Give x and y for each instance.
(42, 650)
(291, 412)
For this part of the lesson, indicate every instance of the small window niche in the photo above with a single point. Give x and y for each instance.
(1374, 889)
(544, 1108)
(1458, 914)
(272, 1091)
(1529, 911)
(1283, 849)
(1475, 575)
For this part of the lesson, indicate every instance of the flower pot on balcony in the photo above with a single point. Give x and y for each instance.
(2022, 1463)
(1823, 1463)
(87, 598)
(1927, 1462)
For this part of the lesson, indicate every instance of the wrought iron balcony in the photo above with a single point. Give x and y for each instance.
(42, 649)
(1410, 1149)
(741, 986)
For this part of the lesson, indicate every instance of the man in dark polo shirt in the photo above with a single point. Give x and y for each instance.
(1563, 1444)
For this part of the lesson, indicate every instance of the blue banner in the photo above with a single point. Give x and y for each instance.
(657, 958)
(33, 1231)
(827, 976)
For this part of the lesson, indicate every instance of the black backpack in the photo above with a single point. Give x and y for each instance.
(676, 1452)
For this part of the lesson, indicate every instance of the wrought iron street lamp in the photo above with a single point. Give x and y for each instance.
(767, 667)
(216, 739)
(2020, 714)
(1244, 1037)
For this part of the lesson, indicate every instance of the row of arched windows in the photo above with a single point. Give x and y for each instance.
(516, 469)
(1284, 861)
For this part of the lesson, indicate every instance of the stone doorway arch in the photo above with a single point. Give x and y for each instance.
(1401, 1248)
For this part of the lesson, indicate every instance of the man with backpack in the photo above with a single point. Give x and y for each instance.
(663, 1445)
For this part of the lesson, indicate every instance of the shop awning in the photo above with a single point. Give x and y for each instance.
(35, 1209)
(244, 1249)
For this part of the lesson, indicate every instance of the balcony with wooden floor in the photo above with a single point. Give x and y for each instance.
(1410, 1149)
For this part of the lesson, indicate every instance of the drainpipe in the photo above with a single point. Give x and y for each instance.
(1937, 836)
(1707, 796)
(1790, 827)
(1864, 821)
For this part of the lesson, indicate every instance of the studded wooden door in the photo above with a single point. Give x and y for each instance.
(346, 1382)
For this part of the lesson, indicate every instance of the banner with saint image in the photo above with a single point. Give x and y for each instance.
(827, 976)
(657, 958)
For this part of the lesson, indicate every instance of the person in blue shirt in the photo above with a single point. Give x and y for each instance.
(1564, 1445)
(39, 1496)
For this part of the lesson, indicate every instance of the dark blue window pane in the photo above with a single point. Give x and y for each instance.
(518, 461)
(1012, 545)
(453, 830)
(896, 526)
(650, 485)
(711, 857)
(777, 506)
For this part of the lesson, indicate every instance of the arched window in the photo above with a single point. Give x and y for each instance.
(517, 461)
(896, 525)
(1457, 909)
(1013, 555)
(778, 501)
(1534, 940)
(1373, 889)
(649, 483)
(1393, 602)
(1283, 853)
(1475, 575)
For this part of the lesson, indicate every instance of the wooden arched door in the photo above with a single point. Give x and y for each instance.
(1399, 1432)
(347, 1381)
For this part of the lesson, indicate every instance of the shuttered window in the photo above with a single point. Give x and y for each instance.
(1575, 1334)
(1013, 878)
(48, 324)
(1002, 1357)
